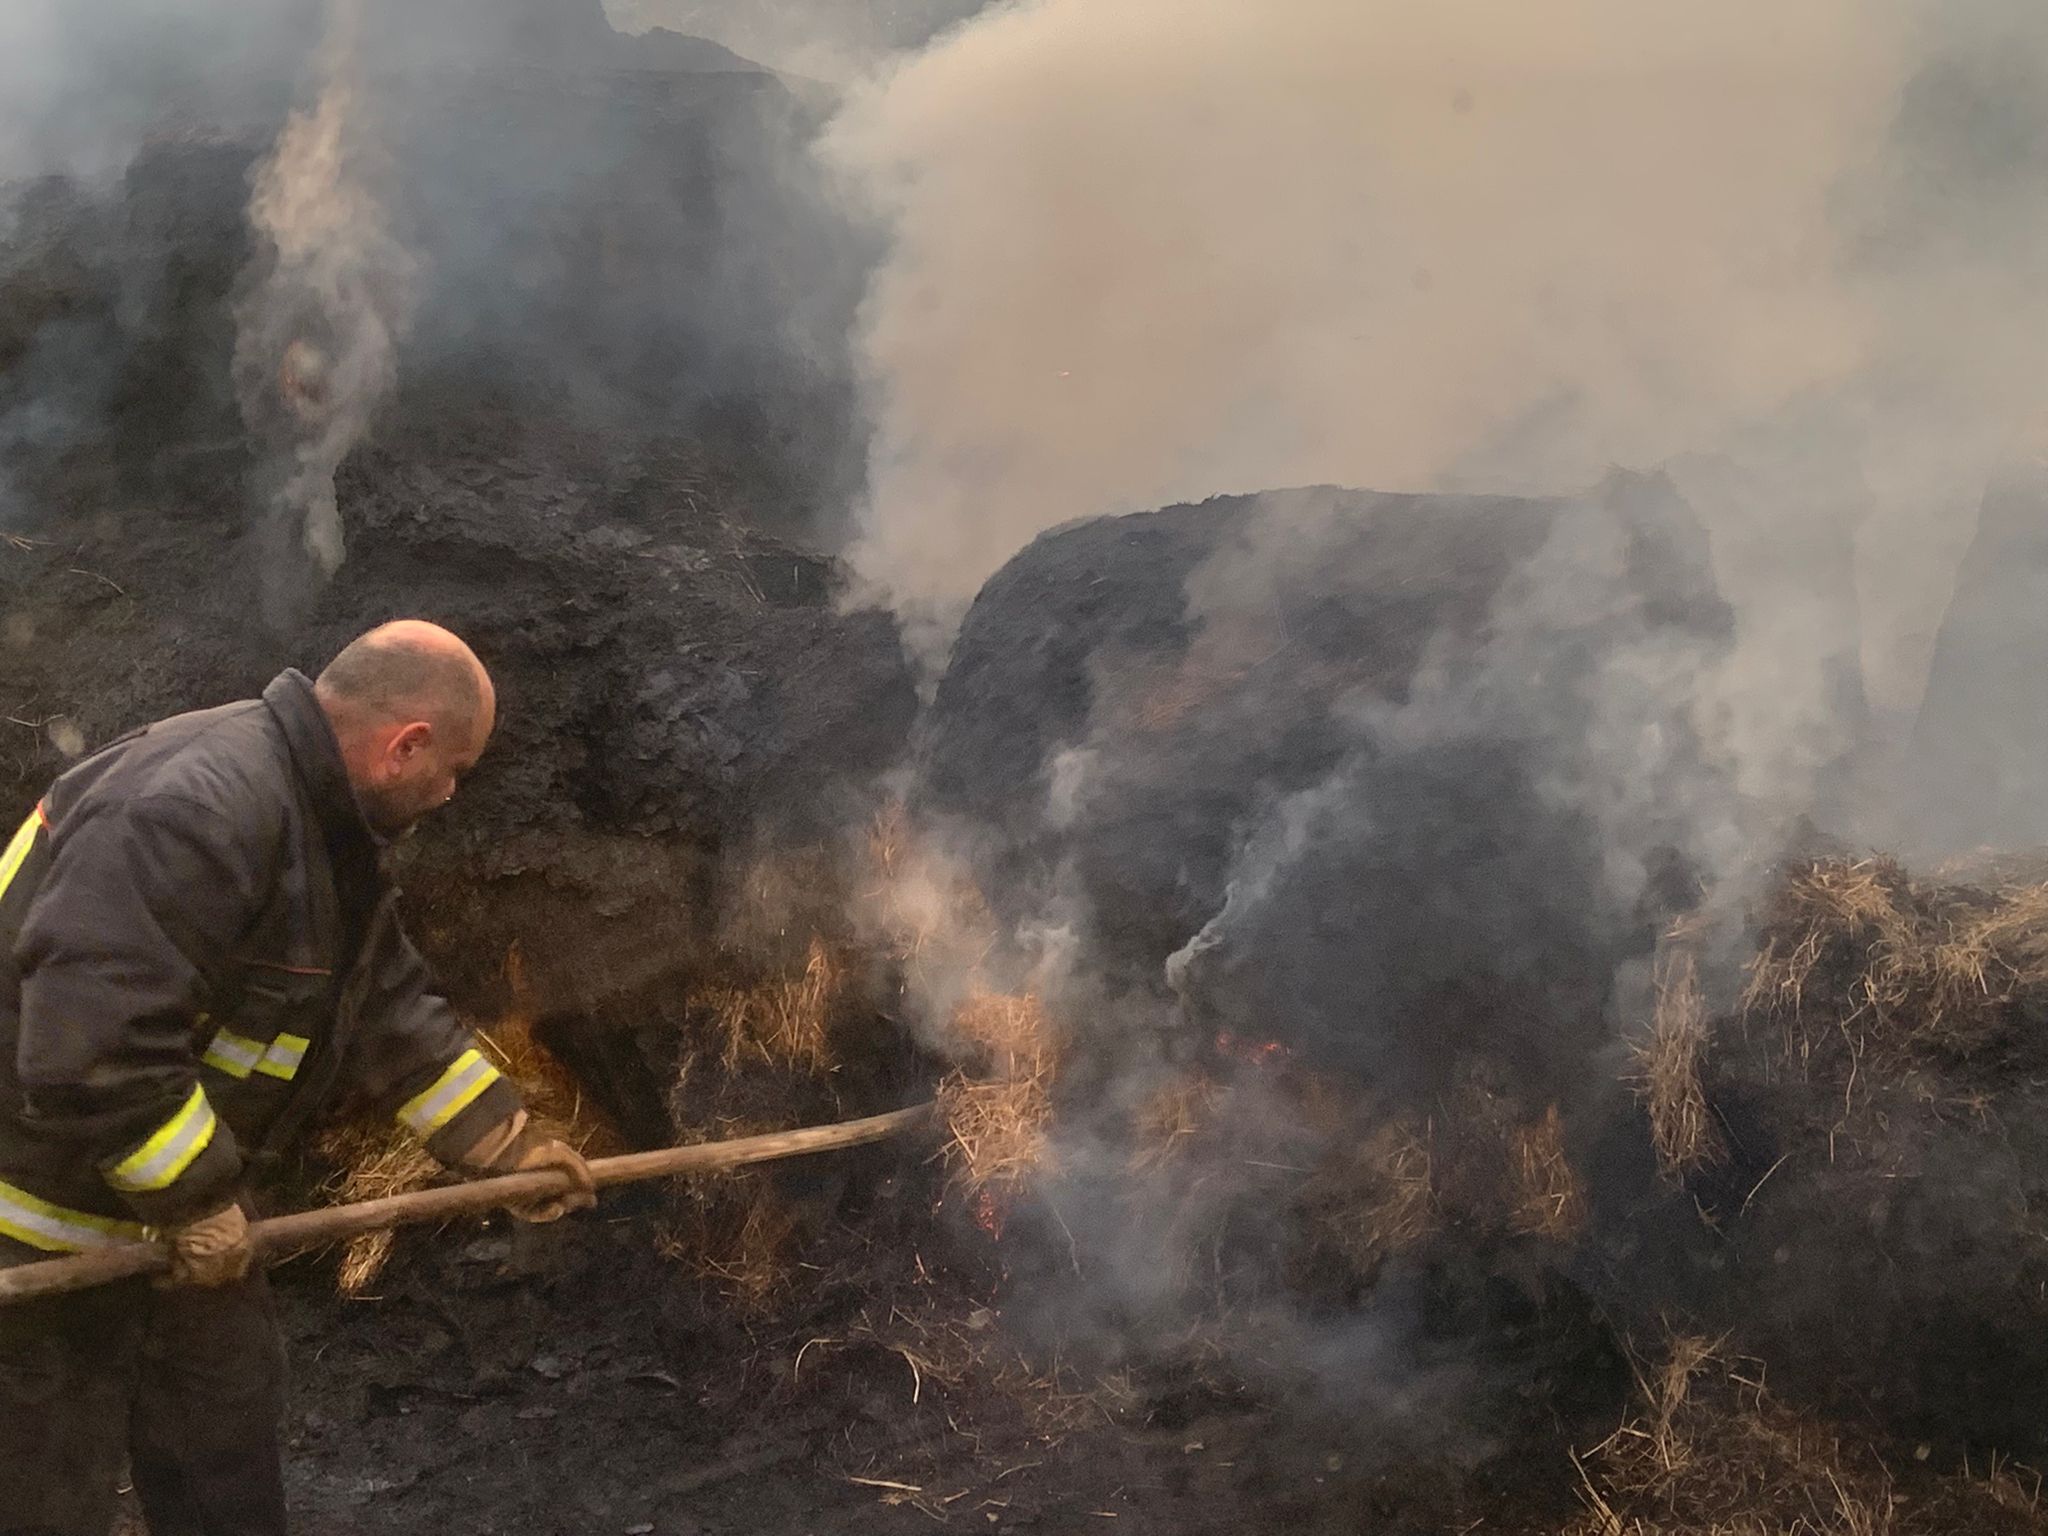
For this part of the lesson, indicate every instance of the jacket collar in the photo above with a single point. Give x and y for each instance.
(317, 757)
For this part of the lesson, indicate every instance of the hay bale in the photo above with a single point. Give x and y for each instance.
(1709, 1451)
(1873, 1228)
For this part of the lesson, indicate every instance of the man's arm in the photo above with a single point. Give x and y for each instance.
(417, 1063)
(118, 955)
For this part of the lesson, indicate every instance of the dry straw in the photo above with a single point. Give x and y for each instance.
(1858, 957)
(1709, 1452)
(1165, 1127)
(783, 1021)
(1667, 1066)
(996, 1118)
(375, 1161)
(1547, 1200)
(1378, 1197)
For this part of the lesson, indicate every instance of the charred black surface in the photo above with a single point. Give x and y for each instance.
(1298, 761)
(609, 232)
(622, 433)
(662, 704)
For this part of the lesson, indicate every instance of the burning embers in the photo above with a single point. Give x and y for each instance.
(1253, 1053)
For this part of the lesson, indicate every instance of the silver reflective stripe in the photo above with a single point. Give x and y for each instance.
(284, 1056)
(54, 1229)
(168, 1153)
(233, 1054)
(454, 1092)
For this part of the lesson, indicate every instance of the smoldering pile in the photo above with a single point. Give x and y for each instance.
(1867, 1155)
(1316, 883)
(1316, 796)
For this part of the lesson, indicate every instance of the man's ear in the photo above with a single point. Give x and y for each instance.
(410, 741)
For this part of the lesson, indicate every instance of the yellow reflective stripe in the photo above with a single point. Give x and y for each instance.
(236, 1055)
(55, 1229)
(453, 1092)
(18, 847)
(159, 1160)
(282, 1060)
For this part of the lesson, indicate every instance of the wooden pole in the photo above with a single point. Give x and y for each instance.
(281, 1236)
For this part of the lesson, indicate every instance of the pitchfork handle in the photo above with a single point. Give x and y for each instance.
(281, 1236)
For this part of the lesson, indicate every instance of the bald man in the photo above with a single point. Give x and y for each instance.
(200, 961)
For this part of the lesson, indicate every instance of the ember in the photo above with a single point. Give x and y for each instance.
(1255, 1053)
(988, 1213)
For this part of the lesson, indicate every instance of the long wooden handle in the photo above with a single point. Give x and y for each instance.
(281, 1236)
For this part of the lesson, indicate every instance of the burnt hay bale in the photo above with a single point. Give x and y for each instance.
(1286, 767)
(1874, 1229)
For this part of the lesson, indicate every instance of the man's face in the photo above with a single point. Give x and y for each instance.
(416, 768)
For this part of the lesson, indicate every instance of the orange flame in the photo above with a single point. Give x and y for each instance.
(1255, 1053)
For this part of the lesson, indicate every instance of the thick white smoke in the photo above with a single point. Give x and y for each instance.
(1157, 250)
(1167, 248)
(318, 331)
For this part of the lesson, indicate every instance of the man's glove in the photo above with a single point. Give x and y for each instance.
(214, 1250)
(513, 1146)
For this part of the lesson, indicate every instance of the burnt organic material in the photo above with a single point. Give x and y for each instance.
(1332, 768)
(673, 689)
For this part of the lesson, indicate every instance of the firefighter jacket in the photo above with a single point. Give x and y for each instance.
(199, 955)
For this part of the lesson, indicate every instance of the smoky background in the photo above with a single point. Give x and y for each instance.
(1766, 283)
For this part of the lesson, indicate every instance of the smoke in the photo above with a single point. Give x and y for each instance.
(1151, 252)
(320, 323)
(81, 87)
(825, 39)
(471, 211)
(1416, 800)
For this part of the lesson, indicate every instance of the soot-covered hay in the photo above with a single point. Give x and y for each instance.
(1709, 1451)
(1377, 1198)
(781, 1022)
(1167, 1123)
(759, 1057)
(1857, 955)
(1470, 1173)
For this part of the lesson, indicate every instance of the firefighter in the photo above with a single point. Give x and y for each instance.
(199, 959)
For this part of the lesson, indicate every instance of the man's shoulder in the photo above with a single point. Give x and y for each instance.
(226, 764)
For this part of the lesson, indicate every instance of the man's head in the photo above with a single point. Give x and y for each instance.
(411, 707)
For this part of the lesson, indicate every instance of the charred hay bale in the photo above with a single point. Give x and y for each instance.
(675, 691)
(627, 366)
(607, 229)
(1709, 1450)
(1873, 1225)
(1297, 754)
